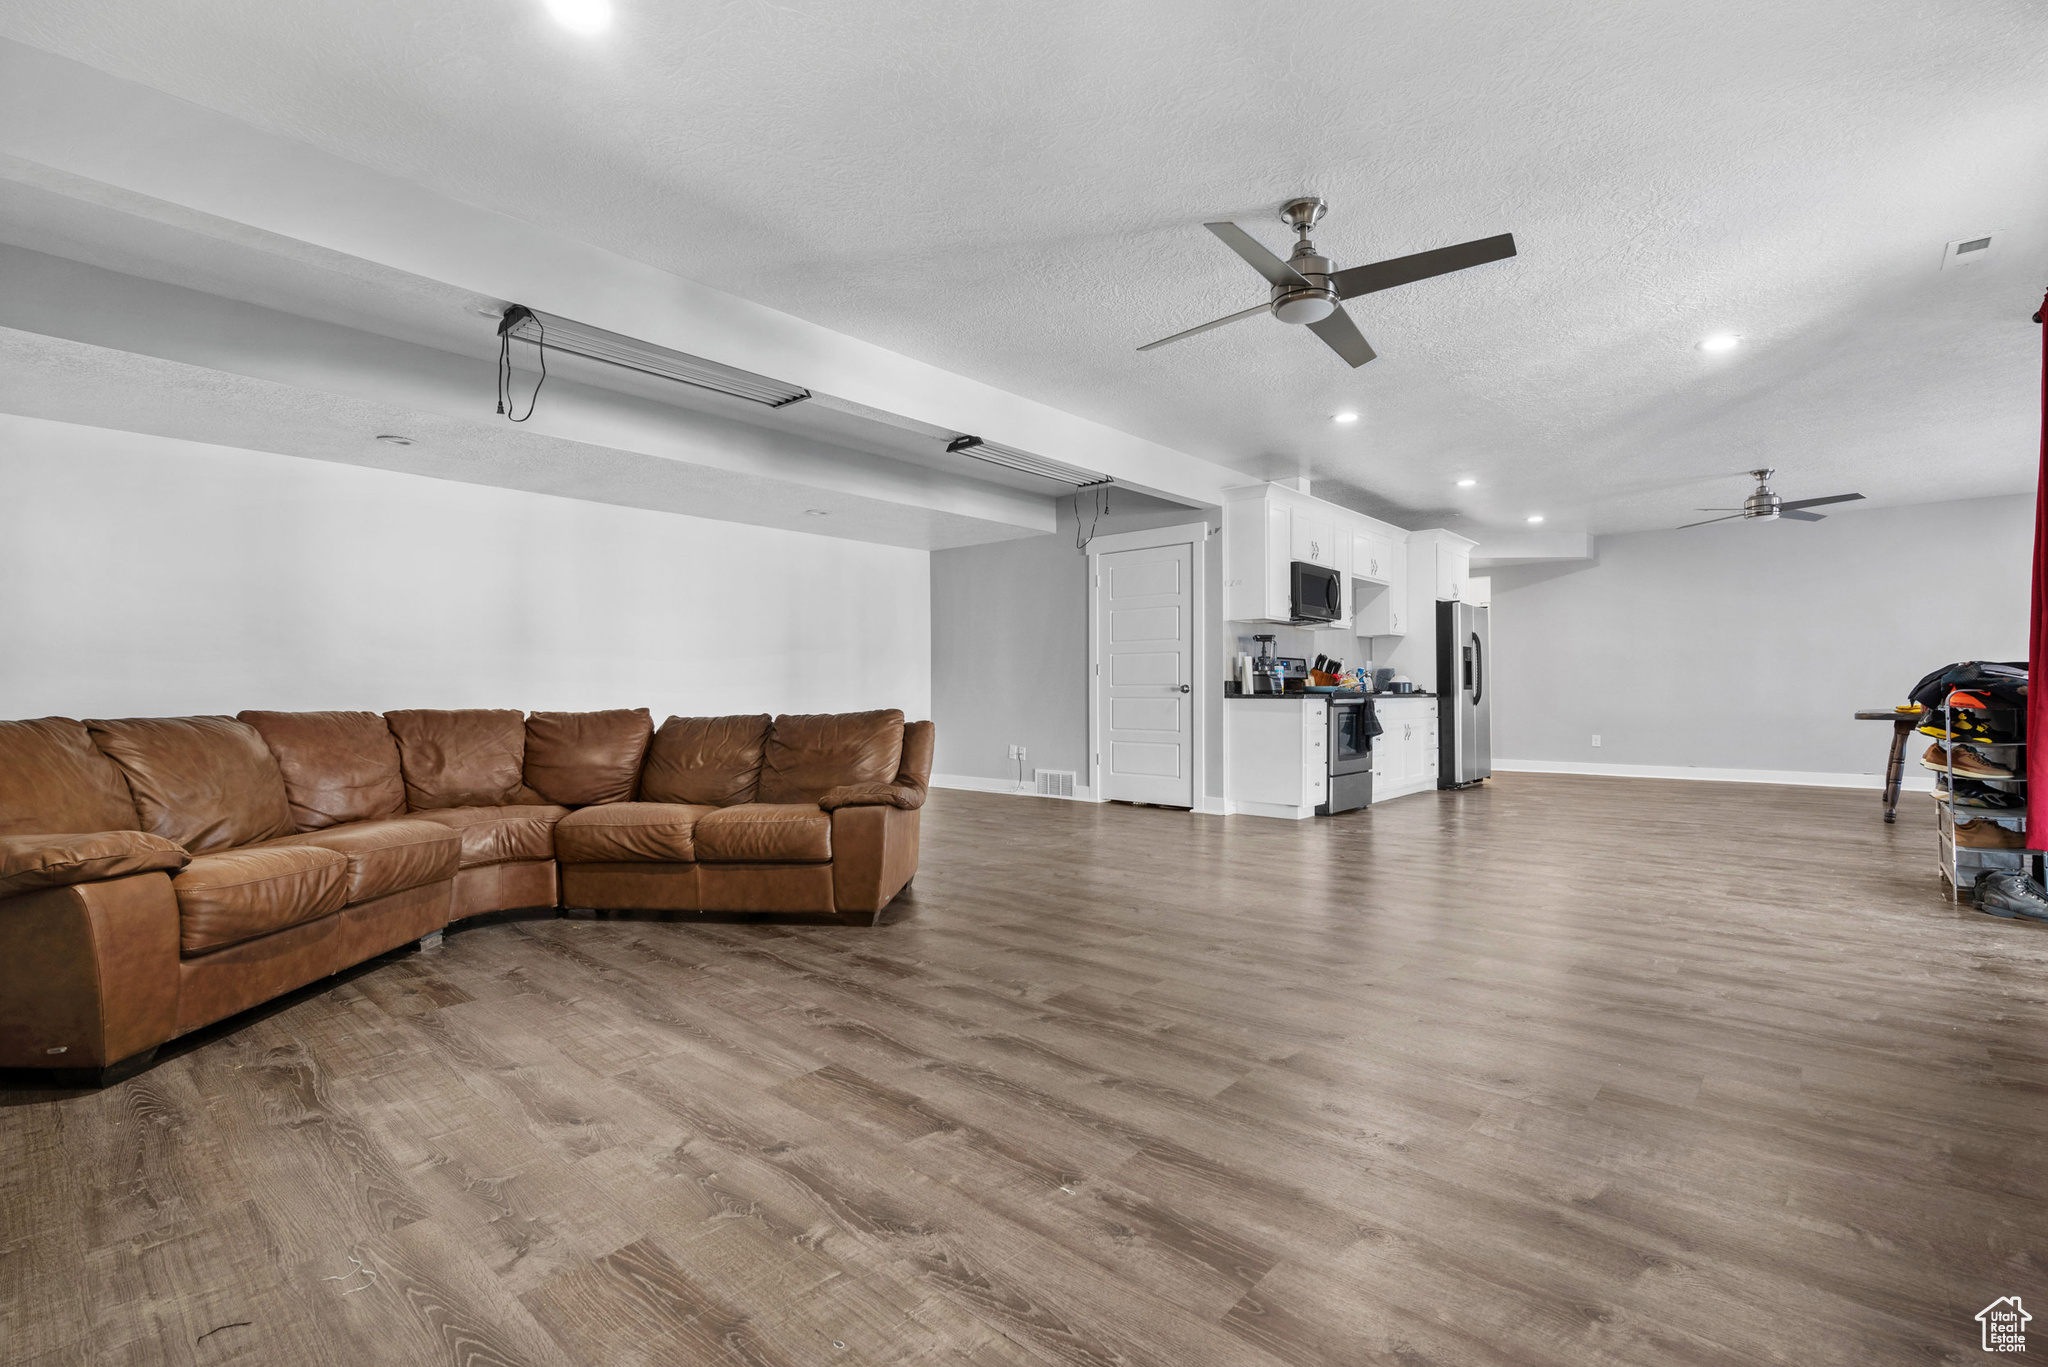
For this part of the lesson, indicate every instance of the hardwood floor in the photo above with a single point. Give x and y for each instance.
(1555, 1071)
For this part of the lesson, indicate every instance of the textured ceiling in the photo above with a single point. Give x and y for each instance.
(1015, 192)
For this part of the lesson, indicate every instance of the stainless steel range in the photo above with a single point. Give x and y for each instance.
(1350, 755)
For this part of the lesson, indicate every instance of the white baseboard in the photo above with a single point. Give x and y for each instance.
(1007, 786)
(1917, 780)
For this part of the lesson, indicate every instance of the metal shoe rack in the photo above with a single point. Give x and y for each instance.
(1961, 864)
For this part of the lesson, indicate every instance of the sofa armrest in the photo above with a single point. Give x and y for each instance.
(874, 853)
(902, 796)
(88, 973)
(29, 863)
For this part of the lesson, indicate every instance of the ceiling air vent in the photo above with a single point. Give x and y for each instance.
(550, 333)
(1967, 251)
(1011, 458)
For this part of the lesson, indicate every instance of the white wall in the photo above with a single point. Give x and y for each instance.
(141, 576)
(1748, 646)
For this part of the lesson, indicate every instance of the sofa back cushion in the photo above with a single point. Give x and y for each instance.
(581, 759)
(54, 781)
(705, 761)
(468, 758)
(337, 766)
(808, 756)
(208, 783)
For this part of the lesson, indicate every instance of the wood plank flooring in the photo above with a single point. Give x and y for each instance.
(1556, 1071)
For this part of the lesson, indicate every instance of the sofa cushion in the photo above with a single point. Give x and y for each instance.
(230, 896)
(53, 779)
(500, 835)
(470, 758)
(709, 761)
(337, 766)
(629, 832)
(582, 758)
(808, 756)
(208, 783)
(29, 862)
(386, 856)
(765, 833)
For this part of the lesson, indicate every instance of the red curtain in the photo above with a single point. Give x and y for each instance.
(2037, 635)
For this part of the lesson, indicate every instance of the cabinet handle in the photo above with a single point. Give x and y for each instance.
(1183, 688)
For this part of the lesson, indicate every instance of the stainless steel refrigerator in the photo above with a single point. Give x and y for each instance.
(1464, 695)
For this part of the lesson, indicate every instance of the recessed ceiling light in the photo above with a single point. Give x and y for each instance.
(1721, 341)
(582, 16)
(1467, 483)
(1537, 517)
(817, 512)
(1346, 416)
(393, 439)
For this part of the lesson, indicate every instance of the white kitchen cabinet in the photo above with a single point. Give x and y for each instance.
(1404, 754)
(1479, 590)
(1441, 560)
(1382, 609)
(1314, 537)
(1266, 527)
(1277, 752)
(1372, 557)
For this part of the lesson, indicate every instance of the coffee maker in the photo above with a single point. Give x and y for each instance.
(1269, 674)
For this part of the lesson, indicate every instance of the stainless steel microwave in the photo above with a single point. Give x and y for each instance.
(1318, 593)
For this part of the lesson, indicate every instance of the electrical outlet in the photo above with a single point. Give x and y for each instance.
(1016, 752)
(1596, 742)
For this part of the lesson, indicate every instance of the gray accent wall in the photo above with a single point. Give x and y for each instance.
(1750, 645)
(1010, 646)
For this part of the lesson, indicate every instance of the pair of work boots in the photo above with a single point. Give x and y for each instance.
(2011, 894)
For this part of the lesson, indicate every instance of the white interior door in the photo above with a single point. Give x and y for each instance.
(1145, 611)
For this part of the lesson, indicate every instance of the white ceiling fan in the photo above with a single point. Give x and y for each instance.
(1763, 504)
(1308, 288)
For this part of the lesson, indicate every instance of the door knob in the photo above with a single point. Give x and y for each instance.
(1183, 688)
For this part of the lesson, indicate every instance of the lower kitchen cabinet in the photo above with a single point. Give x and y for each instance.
(1404, 754)
(1278, 753)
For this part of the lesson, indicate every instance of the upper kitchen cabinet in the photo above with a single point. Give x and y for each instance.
(1266, 528)
(1379, 581)
(1373, 557)
(1444, 557)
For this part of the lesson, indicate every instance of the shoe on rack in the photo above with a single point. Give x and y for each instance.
(1963, 726)
(2011, 894)
(1966, 763)
(1972, 793)
(1986, 834)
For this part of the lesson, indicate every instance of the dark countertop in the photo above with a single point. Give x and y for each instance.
(1306, 697)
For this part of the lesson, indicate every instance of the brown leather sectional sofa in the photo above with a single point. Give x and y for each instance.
(159, 874)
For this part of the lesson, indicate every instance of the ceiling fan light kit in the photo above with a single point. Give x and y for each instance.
(1307, 289)
(1765, 506)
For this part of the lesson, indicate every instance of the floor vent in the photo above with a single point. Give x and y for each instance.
(1055, 782)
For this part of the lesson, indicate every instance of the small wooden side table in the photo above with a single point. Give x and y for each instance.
(1895, 769)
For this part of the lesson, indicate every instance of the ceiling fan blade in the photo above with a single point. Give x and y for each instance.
(1261, 308)
(1794, 515)
(1716, 510)
(1816, 502)
(1711, 519)
(1276, 271)
(1406, 270)
(1343, 337)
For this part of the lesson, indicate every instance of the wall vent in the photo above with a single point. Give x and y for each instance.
(1055, 782)
(1967, 251)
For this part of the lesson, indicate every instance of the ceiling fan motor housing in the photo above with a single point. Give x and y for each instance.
(1310, 303)
(1763, 503)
